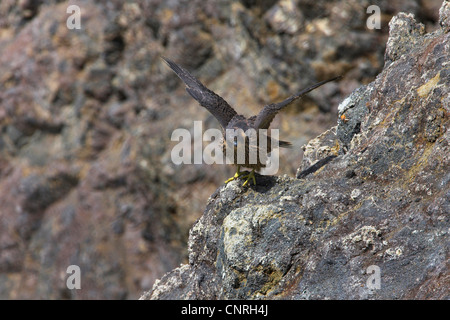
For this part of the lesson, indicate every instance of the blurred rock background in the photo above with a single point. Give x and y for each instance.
(86, 118)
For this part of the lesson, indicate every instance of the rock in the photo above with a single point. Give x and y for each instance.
(285, 16)
(381, 204)
(98, 85)
(86, 116)
(444, 16)
(404, 34)
(39, 191)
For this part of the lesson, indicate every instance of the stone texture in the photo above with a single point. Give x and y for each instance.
(86, 118)
(383, 201)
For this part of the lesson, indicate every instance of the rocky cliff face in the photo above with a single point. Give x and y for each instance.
(86, 118)
(371, 223)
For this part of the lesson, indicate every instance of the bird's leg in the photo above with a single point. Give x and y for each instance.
(251, 175)
(237, 174)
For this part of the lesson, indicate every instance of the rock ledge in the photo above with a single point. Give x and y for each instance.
(383, 201)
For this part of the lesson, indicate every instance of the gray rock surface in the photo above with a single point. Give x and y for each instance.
(384, 201)
(86, 118)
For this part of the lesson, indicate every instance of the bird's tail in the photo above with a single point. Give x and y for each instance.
(284, 144)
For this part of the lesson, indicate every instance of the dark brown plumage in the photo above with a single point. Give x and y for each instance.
(229, 119)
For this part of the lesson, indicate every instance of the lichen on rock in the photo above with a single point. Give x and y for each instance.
(383, 201)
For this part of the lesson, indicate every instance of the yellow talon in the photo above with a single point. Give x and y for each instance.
(251, 175)
(236, 175)
(239, 174)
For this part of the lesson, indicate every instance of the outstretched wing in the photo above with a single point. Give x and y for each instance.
(215, 104)
(266, 115)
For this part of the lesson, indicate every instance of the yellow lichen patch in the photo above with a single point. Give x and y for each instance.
(411, 174)
(274, 277)
(427, 87)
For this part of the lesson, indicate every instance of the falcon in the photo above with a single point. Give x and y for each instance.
(240, 127)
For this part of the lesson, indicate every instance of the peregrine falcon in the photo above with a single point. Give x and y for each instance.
(230, 120)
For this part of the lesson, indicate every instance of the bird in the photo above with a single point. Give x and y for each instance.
(236, 127)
